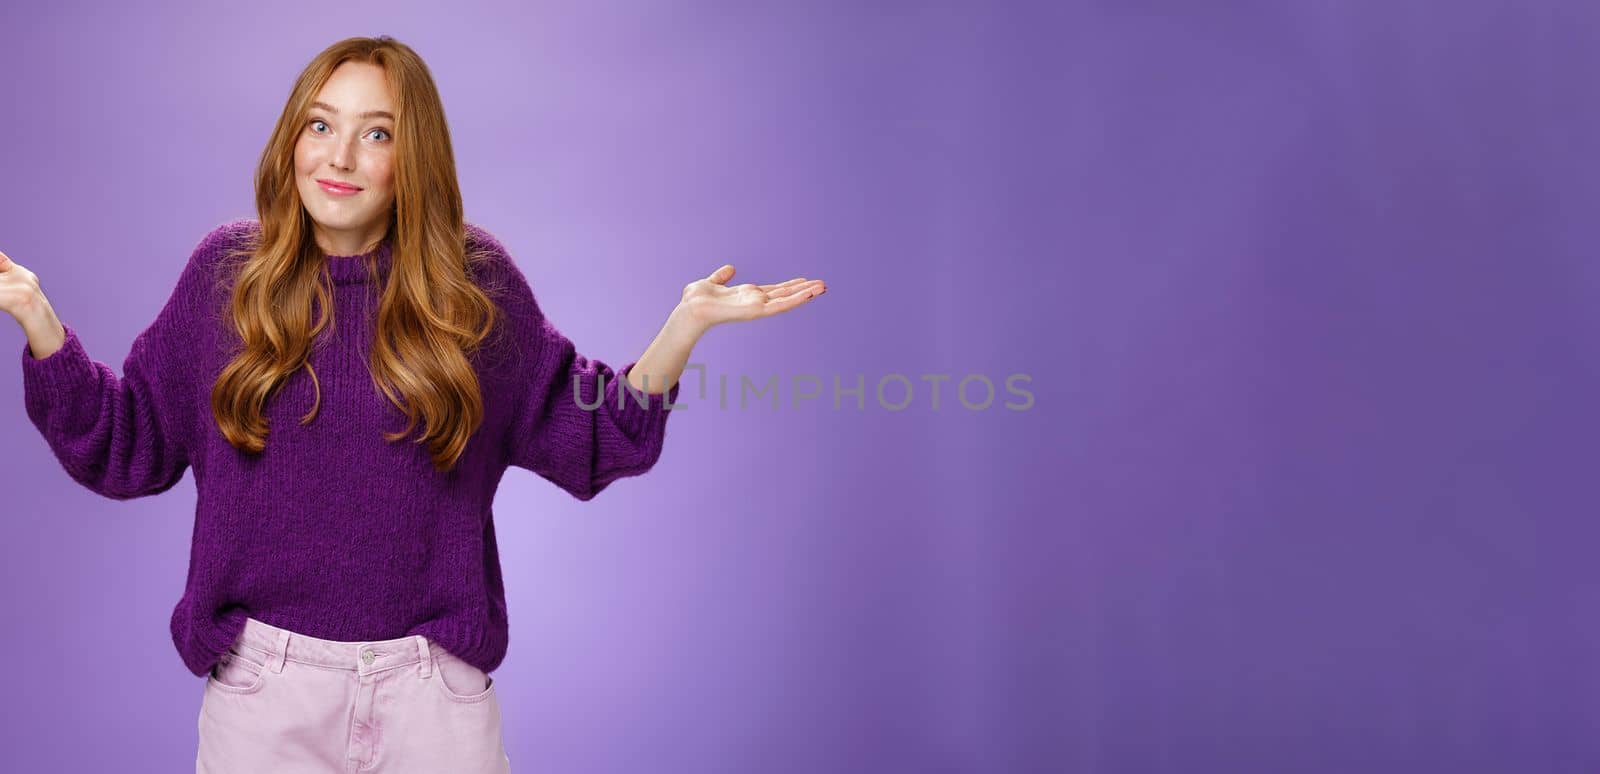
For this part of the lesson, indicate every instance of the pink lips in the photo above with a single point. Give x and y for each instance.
(338, 189)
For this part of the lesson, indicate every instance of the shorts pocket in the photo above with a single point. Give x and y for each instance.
(236, 673)
(460, 681)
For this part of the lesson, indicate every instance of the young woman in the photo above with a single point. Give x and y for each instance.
(349, 376)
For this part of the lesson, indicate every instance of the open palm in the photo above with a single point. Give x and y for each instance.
(713, 301)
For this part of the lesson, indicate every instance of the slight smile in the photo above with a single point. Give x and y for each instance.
(338, 189)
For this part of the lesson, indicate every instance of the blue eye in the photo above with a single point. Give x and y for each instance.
(384, 131)
(315, 121)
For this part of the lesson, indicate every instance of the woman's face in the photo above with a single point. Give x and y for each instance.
(348, 137)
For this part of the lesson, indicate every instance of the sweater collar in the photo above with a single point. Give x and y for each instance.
(352, 269)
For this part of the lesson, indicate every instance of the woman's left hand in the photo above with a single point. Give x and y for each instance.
(711, 301)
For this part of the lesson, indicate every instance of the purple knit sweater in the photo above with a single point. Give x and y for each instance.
(332, 531)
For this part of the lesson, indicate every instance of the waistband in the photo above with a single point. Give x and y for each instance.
(276, 645)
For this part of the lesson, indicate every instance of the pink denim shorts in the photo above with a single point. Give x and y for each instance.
(286, 703)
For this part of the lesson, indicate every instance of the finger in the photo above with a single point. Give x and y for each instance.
(795, 281)
(812, 286)
(722, 275)
(5, 262)
(784, 304)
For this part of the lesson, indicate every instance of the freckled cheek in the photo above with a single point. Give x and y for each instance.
(383, 175)
(304, 159)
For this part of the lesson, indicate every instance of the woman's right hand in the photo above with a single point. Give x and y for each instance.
(23, 299)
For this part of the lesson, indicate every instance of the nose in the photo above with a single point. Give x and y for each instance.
(342, 154)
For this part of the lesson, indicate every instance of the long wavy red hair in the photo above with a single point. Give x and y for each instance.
(431, 317)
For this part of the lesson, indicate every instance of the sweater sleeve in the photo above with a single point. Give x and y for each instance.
(582, 450)
(129, 436)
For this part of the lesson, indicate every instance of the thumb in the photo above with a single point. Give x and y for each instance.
(5, 262)
(723, 274)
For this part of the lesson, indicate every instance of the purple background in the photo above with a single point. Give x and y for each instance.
(1305, 291)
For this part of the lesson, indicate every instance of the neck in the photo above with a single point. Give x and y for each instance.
(349, 243)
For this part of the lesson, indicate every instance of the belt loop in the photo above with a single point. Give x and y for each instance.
(426, 668)
(281, 652)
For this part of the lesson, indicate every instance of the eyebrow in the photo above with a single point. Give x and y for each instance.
(368, 114)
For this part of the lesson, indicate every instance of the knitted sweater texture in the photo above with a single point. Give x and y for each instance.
(332, 531)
